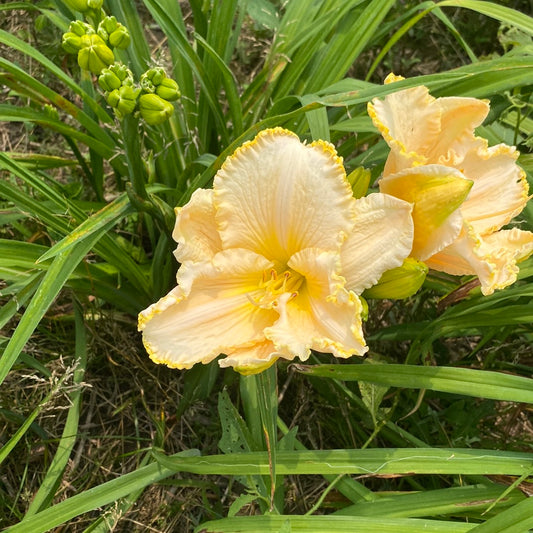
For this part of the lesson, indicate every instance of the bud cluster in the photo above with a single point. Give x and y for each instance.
(94, 44)
(152, 97)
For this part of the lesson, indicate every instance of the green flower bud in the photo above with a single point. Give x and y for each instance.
(51, 111)
(71, 43)
(106, 27)
(113, 98)
(146, 84)
(94, 55)
(80, 28)
(115, 76)
(168, 89)
(400, 282)
(154, 110)
(108, 80)
(359, 180)
(95, 4)
(124, 74)
(77, 5)
(120, 38)
(123, 100)
(156, 75)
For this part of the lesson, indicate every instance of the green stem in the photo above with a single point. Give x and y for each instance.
(132, 147)
(259, 396)
(268, 410)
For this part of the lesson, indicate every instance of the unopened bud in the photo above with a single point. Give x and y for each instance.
(95, 4)
(123, 100)
(80, 28)
(94, 55)
(77, 5)
(106, 27)
(168, 89)
(71, 43)
(108, 80)
(51, 111)
(115, 76)
(400, 282)
(359, 180)
(156, 75)
(120, 38)
(154, 110)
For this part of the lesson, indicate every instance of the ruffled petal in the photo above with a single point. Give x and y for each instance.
(277, 196)
(322, 315)
(421, 129)
(436, 192)
(218, 315)
(409, 123)
(252, 359)
(493, 259)
(459, 118)
(381, 239)
(195, 231)
(500, 189)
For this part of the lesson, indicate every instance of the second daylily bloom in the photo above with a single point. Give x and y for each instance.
(273, 259)
(463, 191)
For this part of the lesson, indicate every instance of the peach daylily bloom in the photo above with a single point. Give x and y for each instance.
(273, 259)
(463, 191)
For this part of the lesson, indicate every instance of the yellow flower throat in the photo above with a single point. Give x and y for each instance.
(273, 284)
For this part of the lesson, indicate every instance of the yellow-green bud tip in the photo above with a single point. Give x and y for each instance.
(168, 90)
(359, 180)
(400, 282)
(154, 110)
(94, 55)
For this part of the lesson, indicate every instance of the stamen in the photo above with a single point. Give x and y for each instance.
(274, 285)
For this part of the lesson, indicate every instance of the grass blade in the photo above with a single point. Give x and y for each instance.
(56, 276)
(328, 524)
(517, 519)
(52, 479)
(502, 13)
(465, 381)
(370, 461)
(102, 220)
(450, 501)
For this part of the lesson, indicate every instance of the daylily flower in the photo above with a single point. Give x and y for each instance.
(462, 190)
(273, 259)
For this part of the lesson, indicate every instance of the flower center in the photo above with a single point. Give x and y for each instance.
(273, 284)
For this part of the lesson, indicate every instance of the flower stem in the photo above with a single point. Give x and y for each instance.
(268, 410)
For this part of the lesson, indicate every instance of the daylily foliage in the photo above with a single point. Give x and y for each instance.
(463, 191)
(273, 260)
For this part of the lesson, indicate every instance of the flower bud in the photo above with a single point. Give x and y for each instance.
(156, 75)
(168, 89)
(154, 110)
(80, 28)
(120, 38)
(71, 43)
(106, 27)
(123, 100)
(115, 76)
(95, 4)
(113, 98)
(77, 5)
(108, 80)
(94, 55)
(359, 180)
(51, 112)
(400, 282)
